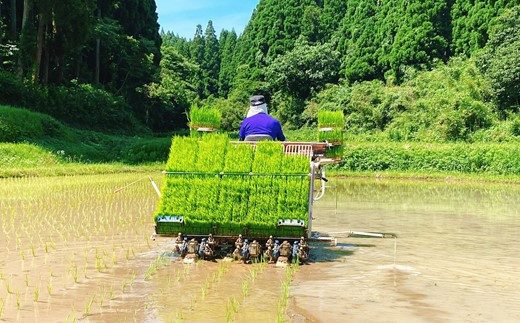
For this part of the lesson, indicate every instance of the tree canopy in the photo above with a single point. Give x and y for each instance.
(291, 51)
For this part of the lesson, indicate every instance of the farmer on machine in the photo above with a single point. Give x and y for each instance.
(259, 125)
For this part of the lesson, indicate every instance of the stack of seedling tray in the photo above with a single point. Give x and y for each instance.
(227, 189)
(204, 120)
(331, 125)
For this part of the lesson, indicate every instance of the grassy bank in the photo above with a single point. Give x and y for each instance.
(23, 160)
(68, 169)
(40, 145)
(35, 144)
(496, 163)
(23, 126)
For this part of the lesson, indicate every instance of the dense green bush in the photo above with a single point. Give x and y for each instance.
(297, 75)
(449, 103)
(12, 90)
(146, 150)
(233, 112)
(500, 159)
(500, 60)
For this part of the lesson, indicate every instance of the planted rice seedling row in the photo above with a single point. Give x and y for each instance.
(55, 231)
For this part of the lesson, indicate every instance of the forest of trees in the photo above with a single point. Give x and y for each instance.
(385, 63)
(82, 61)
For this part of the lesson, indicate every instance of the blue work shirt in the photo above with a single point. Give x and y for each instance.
(261, 124)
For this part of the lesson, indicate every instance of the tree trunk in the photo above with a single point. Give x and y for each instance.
(26, 11)
(13, 26)
(98, 58)
(1, 39)
(25, 18)
(61, 66)
(38, 59)
(46, 61)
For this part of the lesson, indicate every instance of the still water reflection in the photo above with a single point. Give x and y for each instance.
(456, 256)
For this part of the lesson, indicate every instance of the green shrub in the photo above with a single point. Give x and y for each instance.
(147, 150)
(500, 60)
(11, 89)
(514, 126)
(449, 103)
(232, 110)
(304, 134)
(80, 105)
(499, 159)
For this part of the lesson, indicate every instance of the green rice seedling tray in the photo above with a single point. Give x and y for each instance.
(228, 189)
(331, 119)
(333, 136)
(168, 228)
(335, 152)
(291, 232)
(204, 117)
(331, 125)
(174, 228)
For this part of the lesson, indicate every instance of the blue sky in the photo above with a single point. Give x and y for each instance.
(181, 16)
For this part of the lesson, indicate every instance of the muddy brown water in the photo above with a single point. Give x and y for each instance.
(86, 253)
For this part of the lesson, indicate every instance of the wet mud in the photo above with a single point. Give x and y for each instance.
(72, 250)
(454, 259)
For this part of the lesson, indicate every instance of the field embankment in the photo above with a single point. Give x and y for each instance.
(490, 162)
(68, 169)
(74, 145)
(35, 144)
(24, 160)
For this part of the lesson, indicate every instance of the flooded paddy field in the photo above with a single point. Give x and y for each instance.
(73, 250)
